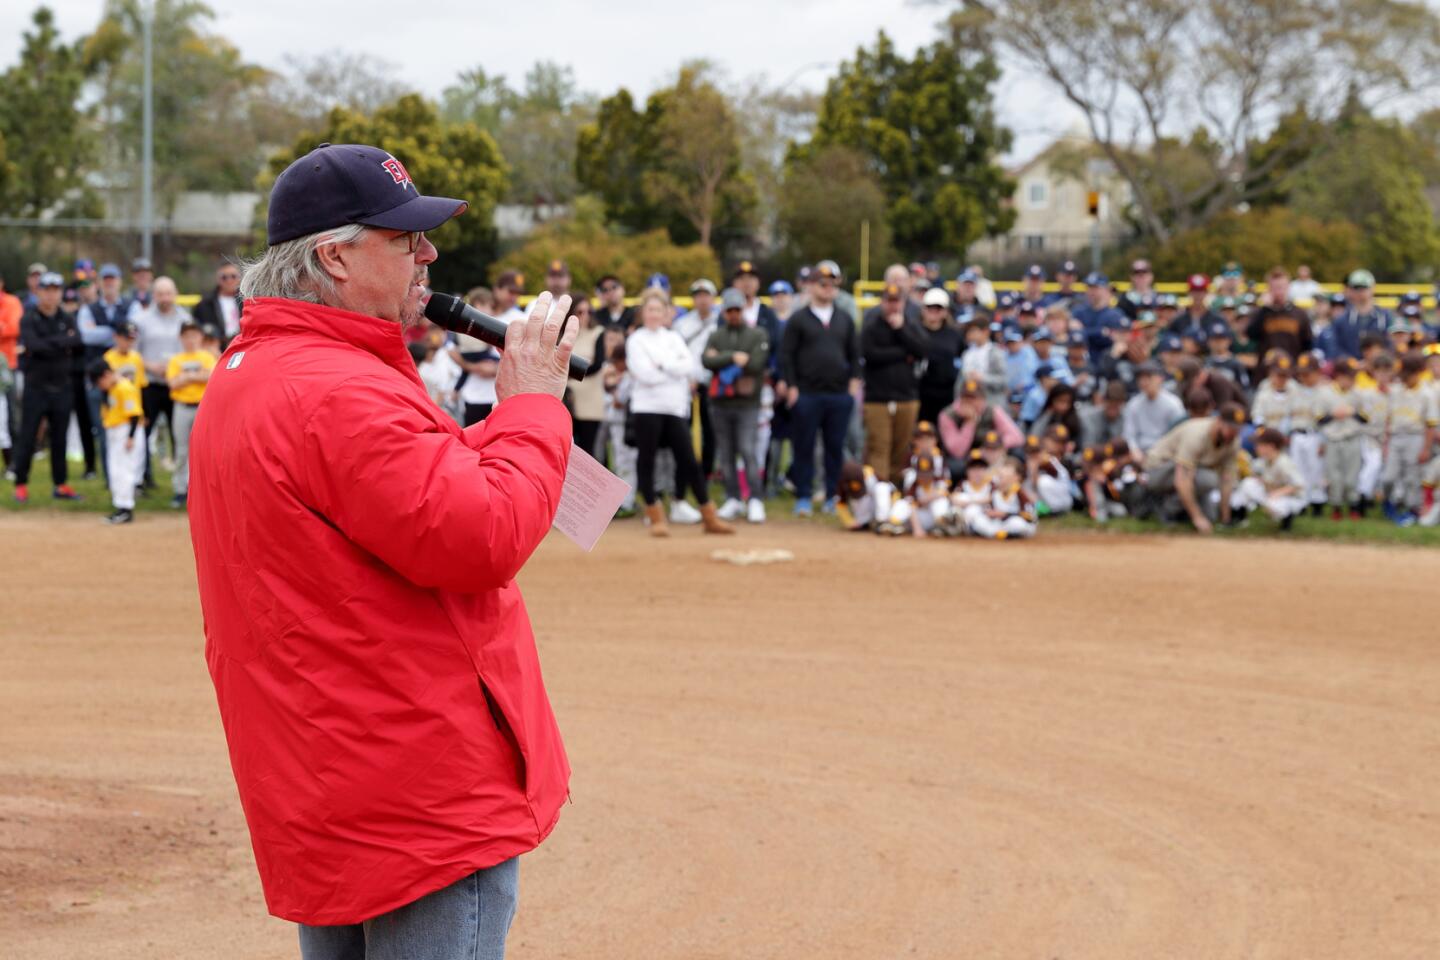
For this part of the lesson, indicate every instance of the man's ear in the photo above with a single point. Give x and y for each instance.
(333, 259)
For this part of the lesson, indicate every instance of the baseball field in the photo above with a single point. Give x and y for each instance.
(1104, 747)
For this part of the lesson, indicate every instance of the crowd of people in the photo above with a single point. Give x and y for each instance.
(941, 410)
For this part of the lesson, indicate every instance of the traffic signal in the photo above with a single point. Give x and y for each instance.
(1092, 200)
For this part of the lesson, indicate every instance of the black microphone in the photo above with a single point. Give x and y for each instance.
(457, 316)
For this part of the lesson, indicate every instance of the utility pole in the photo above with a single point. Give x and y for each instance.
(147, 162)
(1093, 202)
(864, 250)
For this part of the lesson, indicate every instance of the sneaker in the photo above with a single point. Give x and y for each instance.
(1287, 524)
(756, 512)
(65, 492)
(1337, 514)
(829, 508)
(1356, 515)
(121, 516)
(1405, 519)
(22, 493)
(803, 509)
(682, 512)
(731, 509)
(89, 475)
(177, 502)
(1431, 517)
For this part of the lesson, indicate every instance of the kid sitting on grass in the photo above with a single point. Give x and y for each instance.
(1276, 485)
(925, 509)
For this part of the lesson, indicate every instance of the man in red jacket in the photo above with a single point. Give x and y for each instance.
(356, 552)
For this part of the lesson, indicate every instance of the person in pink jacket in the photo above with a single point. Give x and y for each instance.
(356, 553)
(967, 420)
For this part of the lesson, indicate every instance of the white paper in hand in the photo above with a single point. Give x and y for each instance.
(589, 499)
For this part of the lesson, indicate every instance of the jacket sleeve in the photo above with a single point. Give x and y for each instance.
(877, 348)
(459, 513)
(718, 359)
(41, 346)
(643, 367)
(760, 356)
(852, 347)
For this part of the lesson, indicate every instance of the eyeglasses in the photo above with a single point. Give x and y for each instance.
(608, 288)
(412, 238)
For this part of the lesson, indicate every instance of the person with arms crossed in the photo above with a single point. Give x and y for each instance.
(356, 553)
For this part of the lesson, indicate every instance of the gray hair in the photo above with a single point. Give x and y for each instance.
(292, 270)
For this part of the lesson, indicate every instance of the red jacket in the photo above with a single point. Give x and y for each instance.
(375, 668)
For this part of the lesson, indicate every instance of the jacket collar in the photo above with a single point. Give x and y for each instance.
(267, 317)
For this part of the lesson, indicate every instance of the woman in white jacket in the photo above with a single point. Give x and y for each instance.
(662, 371)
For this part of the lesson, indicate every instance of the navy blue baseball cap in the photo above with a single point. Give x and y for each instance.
(1044, 370)
(1006, 301)
(1036, 271)
(1068, 267)
(1042, 334)
(1097, 280)
(1220, 331)
(343, 183)
(1170, 344)
(1077, 339)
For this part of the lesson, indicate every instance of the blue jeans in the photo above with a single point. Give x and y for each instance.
(826, 414)
(469, 919)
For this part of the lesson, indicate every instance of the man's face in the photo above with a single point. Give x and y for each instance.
(1034, 288)
(704, 301)
(612, 294)
(892, 306)
(387, 272)
(934, 316)
(557, 283)
(228, 280)
(1150, 385)
(1225, 433)
(32, 281)
(748, 284)
(110, 288)
(505, 297)
(1066, 280)
(1361, 297)
(1098, 297)
(1302, 273)
(901, 278)
(142, 280)
(48, 298)
(734, 317)
(780, 303)
(1279, 289)
(165, 296)
(823, 292)
(1142, 279)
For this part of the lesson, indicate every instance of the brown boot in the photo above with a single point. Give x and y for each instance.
(655, 513)
(711, 522)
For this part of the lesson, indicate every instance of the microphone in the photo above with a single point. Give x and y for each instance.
(457, 316)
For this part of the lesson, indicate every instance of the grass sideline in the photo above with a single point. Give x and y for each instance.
(1375, 530)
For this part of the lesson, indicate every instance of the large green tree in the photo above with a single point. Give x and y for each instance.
(676, 164)
(43, 144)
(445, 159)
(826, 199)
(928, 131)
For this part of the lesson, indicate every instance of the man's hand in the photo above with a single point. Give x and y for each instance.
(1202, 524)
(532, 362)
(896, 321)
(794, 396)
(740, 358)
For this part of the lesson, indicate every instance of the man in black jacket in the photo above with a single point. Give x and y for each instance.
(820, 362)
(892, 344)
(220, 308)
(50, 339)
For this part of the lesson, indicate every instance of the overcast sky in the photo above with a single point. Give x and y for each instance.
(612, 44)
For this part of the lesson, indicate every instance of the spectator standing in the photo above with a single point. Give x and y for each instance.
(1151, 413)
(618, 385)
(1067, 296)
(891, 343)
(220, 308)
(142, 283)
(736, 356)
(159, 325)
(186, 373)
(782, 296)
(557, 278)
(1304, 290)
(33, 273)
(758, 314)
(984, 361)
(966, 422)
(1141, 295)
(1197, 309)
(1278, 324)
(695, 327)
(477, 363)
(664, 374)
(50, 339)
(984, 289)
(967, 298)
(612, 312)
(86, 422)
(1097, 317)
(944, 345)
(820, 364)
(1360, 317)
(11, 310)
(587, 397)
(1032, 284)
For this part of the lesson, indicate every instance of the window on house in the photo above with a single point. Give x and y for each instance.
(1034, 241)
(1037, 193)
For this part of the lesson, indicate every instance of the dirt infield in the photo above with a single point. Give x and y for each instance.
(1079, 747)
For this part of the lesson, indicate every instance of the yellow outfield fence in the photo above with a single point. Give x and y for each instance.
(1386, 294)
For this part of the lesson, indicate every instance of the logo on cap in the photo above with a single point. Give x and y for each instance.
(397, 171)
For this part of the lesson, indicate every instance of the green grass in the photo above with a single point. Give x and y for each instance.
(1375, 529)
(95, 492)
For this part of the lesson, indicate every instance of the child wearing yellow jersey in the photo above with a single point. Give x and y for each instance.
(124, 359)
(121, 415)
(187, 374)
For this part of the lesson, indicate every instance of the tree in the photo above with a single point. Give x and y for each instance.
(312, 86)
(449, 160)
(1150, 74)
(591, 252)
(1259, 239)
(928, 131)
(211, 118)
(676, 164)
(825, 198)
(769, 120)
(42, 129)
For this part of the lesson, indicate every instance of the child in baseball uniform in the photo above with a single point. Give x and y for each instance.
(1271, 407)
(865, 501)
(925, 508)
(971, 502)
(124, 359)
(1342, 427)
(1304, 430)
(1012, 510)
(1053, 492)
(1411, 423)
(1276, 484)
(1379, 372)
(1430, 474)
(122, 416)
